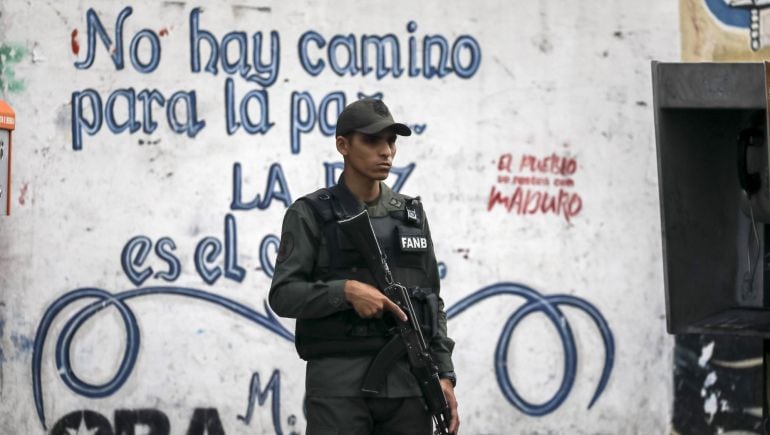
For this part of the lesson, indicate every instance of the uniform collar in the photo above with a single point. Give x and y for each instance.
(385, 203)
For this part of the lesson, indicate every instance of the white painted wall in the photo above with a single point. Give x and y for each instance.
(564, 78)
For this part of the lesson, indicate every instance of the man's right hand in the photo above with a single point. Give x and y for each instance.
(369, 302)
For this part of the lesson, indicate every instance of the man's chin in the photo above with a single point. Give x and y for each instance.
(381, 175)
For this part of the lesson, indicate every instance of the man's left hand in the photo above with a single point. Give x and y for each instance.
(449, 393)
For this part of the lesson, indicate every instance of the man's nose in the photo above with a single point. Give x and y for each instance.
(384, 148)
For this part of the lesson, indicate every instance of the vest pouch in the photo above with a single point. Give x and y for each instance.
(425, 303)
(337, 325)
(342, 333)
(346, 253)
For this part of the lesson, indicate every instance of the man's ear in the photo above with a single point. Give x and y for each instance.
(343, 146)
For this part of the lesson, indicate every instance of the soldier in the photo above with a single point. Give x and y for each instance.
(321, 281)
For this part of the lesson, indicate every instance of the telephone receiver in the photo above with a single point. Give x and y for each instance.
(753, 170)
(750, 182)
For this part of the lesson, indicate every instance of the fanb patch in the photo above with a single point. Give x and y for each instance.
(414, 243)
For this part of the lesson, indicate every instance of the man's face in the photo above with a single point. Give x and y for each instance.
(369, 155)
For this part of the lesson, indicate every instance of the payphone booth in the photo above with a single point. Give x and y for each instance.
(7, 124)
(711, 125)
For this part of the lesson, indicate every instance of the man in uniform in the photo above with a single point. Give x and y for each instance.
(342, 319)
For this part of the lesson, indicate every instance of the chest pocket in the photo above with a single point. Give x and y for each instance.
(346, 253)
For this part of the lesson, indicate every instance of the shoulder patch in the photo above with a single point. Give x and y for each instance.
(285, 247)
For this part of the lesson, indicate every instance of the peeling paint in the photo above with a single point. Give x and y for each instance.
(710, 406)
(710, 380)
(706, 353)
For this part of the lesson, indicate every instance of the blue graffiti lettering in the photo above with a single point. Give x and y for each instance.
(264, 74)
(78, 120)
(94, 26)
(163, 250)
(276, 188)
(232, 270)
(261, 98)
(256, 394)
(348, 43)
(129, 260)
(109, 111)
(379, 43)
(196, 36)
(414, 70)
(206, 252)
(418, 128)
(474, 53)
(239, 66)
(327, 127)
(332, 169)
(442, 270)
(401, 173)
(267, 73)
(304, 115)
(154, 41)
(147, 98)
(191, 125)
(441, 69)
(376, 96)
(312, 68)
(269, 241)
(347, 55)
(301, 102)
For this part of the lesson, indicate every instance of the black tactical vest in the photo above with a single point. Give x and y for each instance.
(403, 238)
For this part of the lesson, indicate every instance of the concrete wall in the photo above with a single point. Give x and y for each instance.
(148, 192)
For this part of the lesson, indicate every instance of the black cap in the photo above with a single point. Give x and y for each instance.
(368, 116)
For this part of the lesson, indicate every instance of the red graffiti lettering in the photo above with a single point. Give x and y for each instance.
(553, 164)
(526, 201)
(531, 181)
(74, 42)
(504, 164)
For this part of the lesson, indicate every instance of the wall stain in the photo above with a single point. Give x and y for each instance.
(23, 195)
(10, 55)
(24, 344)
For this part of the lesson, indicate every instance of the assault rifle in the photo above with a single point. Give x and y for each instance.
(408, 337)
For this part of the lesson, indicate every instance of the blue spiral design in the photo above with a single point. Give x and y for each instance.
(104, 300)
(548, 305)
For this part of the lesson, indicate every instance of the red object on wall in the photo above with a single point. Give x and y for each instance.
(7, 124)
